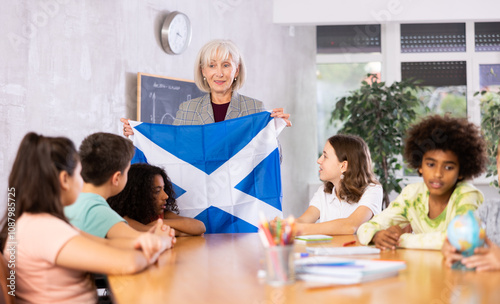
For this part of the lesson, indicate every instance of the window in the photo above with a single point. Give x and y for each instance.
(334, 81)
(444, 86)
(337, 76)
(452, 60)
(433, 37)
(487, 36)
(489, 77)
(348, 39)
(489, 80)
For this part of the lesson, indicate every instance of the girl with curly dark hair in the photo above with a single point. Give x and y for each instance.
(447, 152)
(350, 195)
(149, 195)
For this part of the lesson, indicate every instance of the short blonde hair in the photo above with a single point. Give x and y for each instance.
(223, 49)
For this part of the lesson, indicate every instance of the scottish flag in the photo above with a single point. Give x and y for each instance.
(224, 174)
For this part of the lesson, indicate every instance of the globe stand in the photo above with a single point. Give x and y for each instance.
(458, 265)
(465, 232)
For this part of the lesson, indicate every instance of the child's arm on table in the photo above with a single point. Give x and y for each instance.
(347, 225)
(380, 230)
(311, 215)
(388, 238)
(145, 240)
(121, 230)
(184, 226)
(94, 255)
(82, 253)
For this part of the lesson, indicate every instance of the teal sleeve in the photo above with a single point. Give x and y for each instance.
(97, 220)
(100, 220)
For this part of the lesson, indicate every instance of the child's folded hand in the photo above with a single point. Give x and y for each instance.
(396, 230)
(387, 239)
(408, 229)
(165, 232)
(159, 228)
(151, 245)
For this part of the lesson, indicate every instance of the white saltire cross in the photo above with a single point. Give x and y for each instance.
(218, 190)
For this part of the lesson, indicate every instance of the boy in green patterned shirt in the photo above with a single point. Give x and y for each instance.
(446, 152)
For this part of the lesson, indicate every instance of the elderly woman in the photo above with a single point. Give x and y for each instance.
(220, 71)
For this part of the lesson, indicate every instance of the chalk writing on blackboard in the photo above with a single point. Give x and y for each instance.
(158, 97)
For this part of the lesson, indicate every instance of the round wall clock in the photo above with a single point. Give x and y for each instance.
(176, 33)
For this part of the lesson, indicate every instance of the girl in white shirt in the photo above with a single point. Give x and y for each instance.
(350, 195)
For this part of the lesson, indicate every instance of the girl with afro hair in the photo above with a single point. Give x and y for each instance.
(149, 195)
(447, 152)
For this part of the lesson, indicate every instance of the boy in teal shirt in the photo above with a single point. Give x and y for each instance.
(105, 162)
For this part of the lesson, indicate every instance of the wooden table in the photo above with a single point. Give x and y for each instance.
(222, 268)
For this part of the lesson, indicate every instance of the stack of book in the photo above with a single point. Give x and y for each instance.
(319, 271)
(314, 238)
(343, 250)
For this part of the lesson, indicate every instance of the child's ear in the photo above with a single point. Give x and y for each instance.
(420, 171)
(63, 180)
(344, 165)
(115, 179)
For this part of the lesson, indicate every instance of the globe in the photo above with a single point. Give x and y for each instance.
(466, 233)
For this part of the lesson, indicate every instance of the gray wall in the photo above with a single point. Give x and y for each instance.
(69, 68)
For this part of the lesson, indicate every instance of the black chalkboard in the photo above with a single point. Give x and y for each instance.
(158, 97)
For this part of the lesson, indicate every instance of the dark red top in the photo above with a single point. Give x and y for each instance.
(220, 111)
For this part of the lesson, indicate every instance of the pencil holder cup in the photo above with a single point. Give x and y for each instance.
(280, 267)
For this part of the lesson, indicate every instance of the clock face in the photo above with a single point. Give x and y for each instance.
(176, 33)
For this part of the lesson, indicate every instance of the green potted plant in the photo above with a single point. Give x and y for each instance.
(380, 114)
(490, 125)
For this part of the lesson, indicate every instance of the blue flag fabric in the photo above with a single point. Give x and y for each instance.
(224, 174)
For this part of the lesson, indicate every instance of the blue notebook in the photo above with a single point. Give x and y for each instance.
(322, 270)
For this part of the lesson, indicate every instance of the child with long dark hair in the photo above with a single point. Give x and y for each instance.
(149, 195)
(53, 259)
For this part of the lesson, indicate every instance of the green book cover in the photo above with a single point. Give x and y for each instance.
(314, 238)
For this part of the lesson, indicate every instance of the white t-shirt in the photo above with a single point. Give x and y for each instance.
(331, 208)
